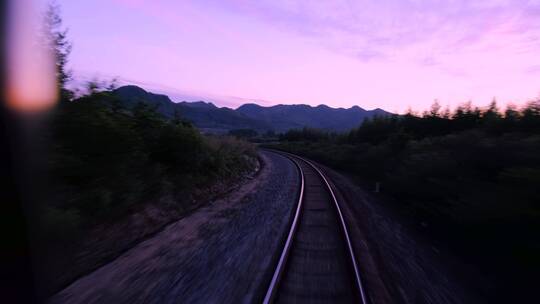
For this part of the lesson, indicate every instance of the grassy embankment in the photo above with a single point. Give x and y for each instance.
(117, 176)
(470, 177)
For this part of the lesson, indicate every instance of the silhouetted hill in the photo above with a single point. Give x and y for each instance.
(203, 115)
(285, 117)
(130, 95)
(280, 118)
(199, 104)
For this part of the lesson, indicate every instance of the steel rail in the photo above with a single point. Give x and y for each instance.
(345, 231)
(285, 253)
(286, 250)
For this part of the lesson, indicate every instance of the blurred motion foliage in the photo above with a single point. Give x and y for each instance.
(106, 161)
(471, 176)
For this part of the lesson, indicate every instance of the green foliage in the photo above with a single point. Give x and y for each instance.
(471, 175)
(229, 155)
(243, 133)
(56, 38)
(107, 160)
(305, 134)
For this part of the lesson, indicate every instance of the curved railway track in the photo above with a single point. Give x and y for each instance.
(317, 263)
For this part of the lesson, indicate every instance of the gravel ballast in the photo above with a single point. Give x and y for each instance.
(223, 252)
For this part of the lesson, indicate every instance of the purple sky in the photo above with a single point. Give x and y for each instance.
(390, 54)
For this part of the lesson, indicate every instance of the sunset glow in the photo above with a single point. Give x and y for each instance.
(389, 54)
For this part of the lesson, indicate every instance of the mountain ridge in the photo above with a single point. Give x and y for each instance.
(280, 118)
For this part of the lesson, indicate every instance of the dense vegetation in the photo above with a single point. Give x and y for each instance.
(106, 160)
(107, 165)
(471, 177)
(243, 133)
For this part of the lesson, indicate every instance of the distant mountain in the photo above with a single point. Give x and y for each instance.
(203, 115)
(285, 117)
(199, 104)
(208, 117)
(130, 95)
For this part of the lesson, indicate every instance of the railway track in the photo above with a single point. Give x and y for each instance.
(317, 263)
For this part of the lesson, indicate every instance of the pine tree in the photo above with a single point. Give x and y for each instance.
(435, 108)
(60, 46)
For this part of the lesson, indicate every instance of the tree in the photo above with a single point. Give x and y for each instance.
(466, 116)
(511, 112)
(511, 117)
(178, 120)
(93, 86)
(492, 111)
(530, 120)
(113, 84)
(446, 113)
(97, 85)
(435, 108)
(60, 46)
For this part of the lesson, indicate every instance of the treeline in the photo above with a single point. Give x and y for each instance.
(109, 166)
(430, 123)
(106, 159)
(470, 175)
(437, 123)
(307, 134)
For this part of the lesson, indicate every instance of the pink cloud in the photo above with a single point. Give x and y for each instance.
(390, 54)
